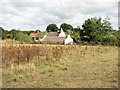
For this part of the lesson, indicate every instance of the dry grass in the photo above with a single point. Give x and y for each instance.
(65, 66)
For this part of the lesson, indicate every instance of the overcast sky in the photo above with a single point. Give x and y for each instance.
(37, 14)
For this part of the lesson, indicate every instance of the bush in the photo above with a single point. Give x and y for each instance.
(92, 43)
(38, 42)
(24, 38)
(113, 40)
(85, 43)
(43, 34)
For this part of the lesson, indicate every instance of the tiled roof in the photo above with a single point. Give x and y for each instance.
(54, 39)
(49, 34)
(38, 34)
(53, 33)
(33, 34)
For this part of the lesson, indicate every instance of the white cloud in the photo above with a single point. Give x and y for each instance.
(37, 14)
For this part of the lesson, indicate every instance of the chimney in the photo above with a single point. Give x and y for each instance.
(37, 31)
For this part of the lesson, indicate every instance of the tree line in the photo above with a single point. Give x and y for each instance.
(93, 31)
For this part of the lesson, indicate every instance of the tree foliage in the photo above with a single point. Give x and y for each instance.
(14, 32)
(52, 28)
(66, 27)
(1, 29)
(43, 34)
(29, 32)
(24, 38)
(94, 31)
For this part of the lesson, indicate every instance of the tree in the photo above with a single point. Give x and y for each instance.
(52, 27)
(76, 34)
(1, 29)
(89, 30)
(5, 33)
(14, 32)
(96, 31)
(77, 29)
(76, 37)
(43, 34)
(29, 32)
(66, 27)
(105, 31)
(23, 38)
(106, 25)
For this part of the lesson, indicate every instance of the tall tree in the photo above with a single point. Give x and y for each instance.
(76, 34)
(66, 27)
(29, 32)
(96, 31)
(14, 32)
(52, 27)
(1, 29)
(107, 25)
(90, 28)
(5, 33)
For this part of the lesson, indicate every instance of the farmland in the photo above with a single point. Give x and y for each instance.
(59, 66)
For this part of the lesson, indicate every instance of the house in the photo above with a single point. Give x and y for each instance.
(52, 37)
(32, 35)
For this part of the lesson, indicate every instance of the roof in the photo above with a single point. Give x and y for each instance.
(53, 33)
(38, 34)
(54, 39)
(49, 34)
(33, 34)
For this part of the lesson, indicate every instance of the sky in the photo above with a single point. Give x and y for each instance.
(38, 14)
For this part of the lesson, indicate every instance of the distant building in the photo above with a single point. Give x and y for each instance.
(52, 37)
(34, 34)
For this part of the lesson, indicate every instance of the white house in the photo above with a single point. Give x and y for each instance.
(62, 34)
(68, 40)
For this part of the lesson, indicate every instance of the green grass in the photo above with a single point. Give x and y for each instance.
(94, 70)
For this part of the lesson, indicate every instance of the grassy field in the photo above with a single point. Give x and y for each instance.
(91, 67)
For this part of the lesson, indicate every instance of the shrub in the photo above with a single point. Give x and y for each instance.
(113, 40)
(92, 43)
(38, 42)
(23, 38)
(43, 34)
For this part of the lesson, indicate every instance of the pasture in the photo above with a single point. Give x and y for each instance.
(59, 66)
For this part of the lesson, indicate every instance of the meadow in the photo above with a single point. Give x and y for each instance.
(59, 66)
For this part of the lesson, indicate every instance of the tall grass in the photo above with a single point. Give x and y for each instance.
(14, 56)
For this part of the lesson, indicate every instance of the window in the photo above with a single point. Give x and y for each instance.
(37, 38)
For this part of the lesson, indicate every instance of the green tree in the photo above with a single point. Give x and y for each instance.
(52, 27)
(43, 33)
(29, 32)
(105, 31)
(75, 34)
(107, 25)
(66, 27)
(23, 38)
(89, 30)
(14, 32)
(1, 29)
(76, 37)
(5, 33)
(96, 31)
